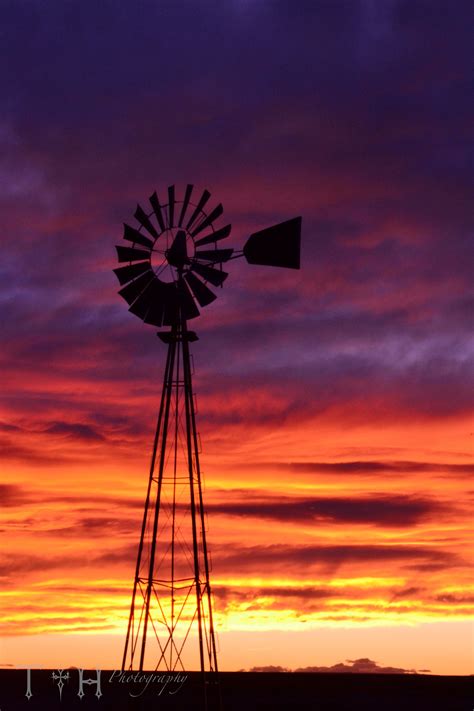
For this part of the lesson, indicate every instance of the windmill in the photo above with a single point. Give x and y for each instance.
(172, 261)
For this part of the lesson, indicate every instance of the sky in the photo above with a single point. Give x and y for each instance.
(335, 402)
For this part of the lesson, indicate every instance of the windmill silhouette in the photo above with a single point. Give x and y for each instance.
(171, 260)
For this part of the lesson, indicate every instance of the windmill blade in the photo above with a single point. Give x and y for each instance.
(187, 304)
(170, 305)
(214, 236)
(155, 313)
(155, 203)
(214, 255)
(187, 198)
(217, 212)
(277, 246)
(202, 201)
(133, 235)
(150, 296)
(170, 206)
(215, 276)
(128, 254)
(126, 274)
(155, 295)
(202, 293)
(135, 288)
(145, 221)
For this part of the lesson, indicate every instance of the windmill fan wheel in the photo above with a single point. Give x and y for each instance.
(171, 257)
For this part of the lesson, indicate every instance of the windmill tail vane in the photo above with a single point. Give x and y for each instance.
(171, 262)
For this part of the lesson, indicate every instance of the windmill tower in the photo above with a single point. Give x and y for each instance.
(170, 260)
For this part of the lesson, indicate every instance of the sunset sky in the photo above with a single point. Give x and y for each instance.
(335, 402)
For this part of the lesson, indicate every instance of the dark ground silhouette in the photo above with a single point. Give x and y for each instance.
(241, 690)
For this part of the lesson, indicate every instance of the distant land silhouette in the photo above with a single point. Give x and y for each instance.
(353, 666)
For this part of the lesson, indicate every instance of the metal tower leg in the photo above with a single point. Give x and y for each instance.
(133, 634)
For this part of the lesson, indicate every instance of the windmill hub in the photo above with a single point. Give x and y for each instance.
(177, 254)
(165, 260)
